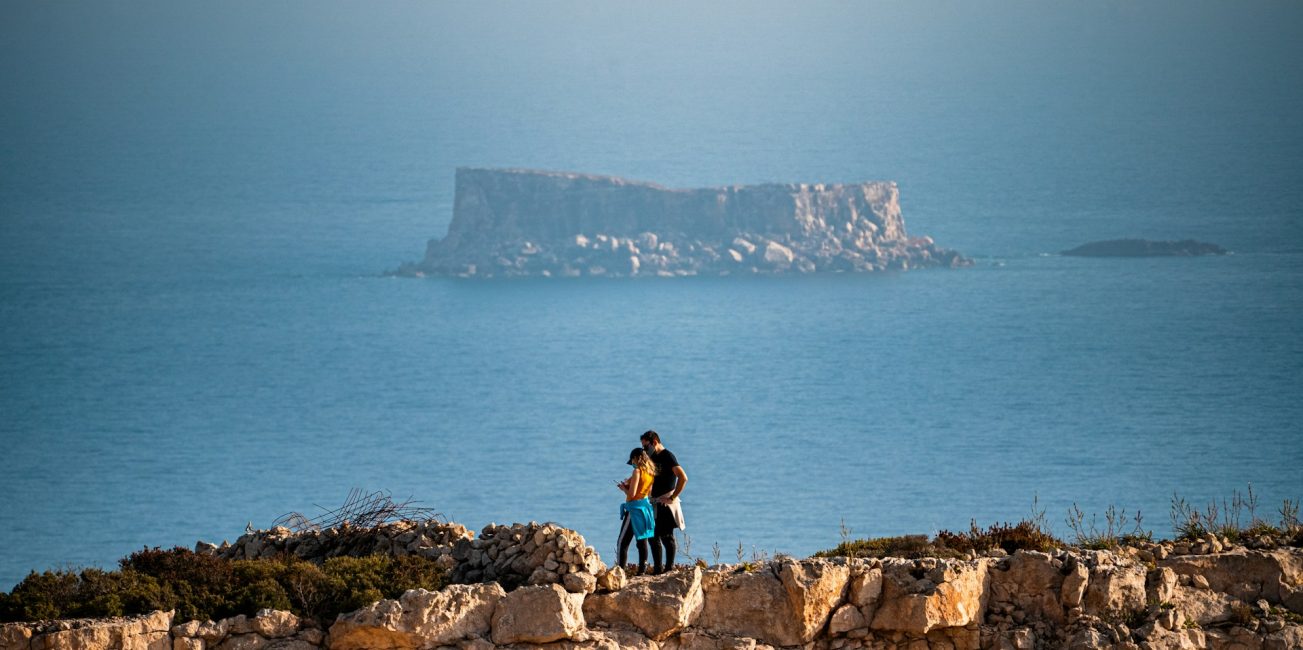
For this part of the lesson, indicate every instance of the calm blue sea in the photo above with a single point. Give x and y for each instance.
(197, 202)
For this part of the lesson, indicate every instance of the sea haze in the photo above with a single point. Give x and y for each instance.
(197, 202)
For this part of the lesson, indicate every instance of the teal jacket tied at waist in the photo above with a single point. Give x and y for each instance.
(642, 518)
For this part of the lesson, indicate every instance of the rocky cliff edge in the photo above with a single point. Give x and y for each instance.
(1159, 596)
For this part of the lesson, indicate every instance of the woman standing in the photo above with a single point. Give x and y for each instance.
(637, 518)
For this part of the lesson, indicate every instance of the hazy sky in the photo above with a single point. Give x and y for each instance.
(92, 66)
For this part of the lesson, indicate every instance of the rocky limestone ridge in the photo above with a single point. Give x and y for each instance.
(430, 538)
(1203, 594)
(511, 222)
(1145, 248)
(514, 555)
(534, 554)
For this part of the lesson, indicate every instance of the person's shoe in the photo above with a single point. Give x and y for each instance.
(657, 570)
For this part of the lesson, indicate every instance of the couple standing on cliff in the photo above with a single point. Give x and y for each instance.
(651, 511)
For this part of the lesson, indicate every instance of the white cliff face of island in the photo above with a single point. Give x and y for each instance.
(509, 223)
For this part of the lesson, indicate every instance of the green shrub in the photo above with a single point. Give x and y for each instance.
(413, 572)
(67, 593)
(197, 586)
(904, 546)
(355, 581)
(41, 596)
(1024, 535)
(310, 591)
(202, 587)
(360, 581)
(117, 593)
(265, 593)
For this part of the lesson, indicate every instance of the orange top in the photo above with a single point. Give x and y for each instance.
(644, 486)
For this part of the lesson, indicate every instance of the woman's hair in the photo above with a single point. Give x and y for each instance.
(639, 458)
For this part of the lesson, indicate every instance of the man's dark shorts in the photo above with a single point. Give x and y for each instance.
(665, 523)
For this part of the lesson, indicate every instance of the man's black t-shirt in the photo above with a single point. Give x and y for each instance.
(665, 479)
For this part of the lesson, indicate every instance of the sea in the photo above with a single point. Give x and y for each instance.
(198, 202)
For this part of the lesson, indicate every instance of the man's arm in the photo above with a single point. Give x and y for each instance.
(680, 482)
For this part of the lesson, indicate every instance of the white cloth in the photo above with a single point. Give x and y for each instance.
(676, 508)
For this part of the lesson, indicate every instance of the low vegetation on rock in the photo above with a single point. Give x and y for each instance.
(1231, 521)
(1031, 533)
(207, 587)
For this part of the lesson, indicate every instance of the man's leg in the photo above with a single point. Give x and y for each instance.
(671, 545)
(663, 539)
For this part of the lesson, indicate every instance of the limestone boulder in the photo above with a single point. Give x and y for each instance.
(700, 640)
(1160, 585)
(844, 619)
(539, 614)
(1087, 638)
(254, 641)
(865, 587)
(1289, 638)
(419, 618)
(1163, 639)
(209, 632)
(783, 603)
(15, 636)
(1032, 583)
(1274, 575)
(1234, 638)
(612, 579)
(1204, 606)
(740, 602)
(1115, 589)
(1073, 589)
(659, 606)
(814, 589)
(613, 639)
(275, 624)
(777, 254)
(147, 632)
(267, 630)
(579, 583)
(951, 593)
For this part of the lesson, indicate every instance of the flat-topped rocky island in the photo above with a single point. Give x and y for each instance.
(516, 223)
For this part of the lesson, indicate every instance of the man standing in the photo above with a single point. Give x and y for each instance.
(666, 488)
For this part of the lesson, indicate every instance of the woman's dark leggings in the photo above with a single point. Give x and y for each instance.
(626, 536)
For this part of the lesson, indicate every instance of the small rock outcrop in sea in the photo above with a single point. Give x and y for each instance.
(511, 223)
(1145, 248)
